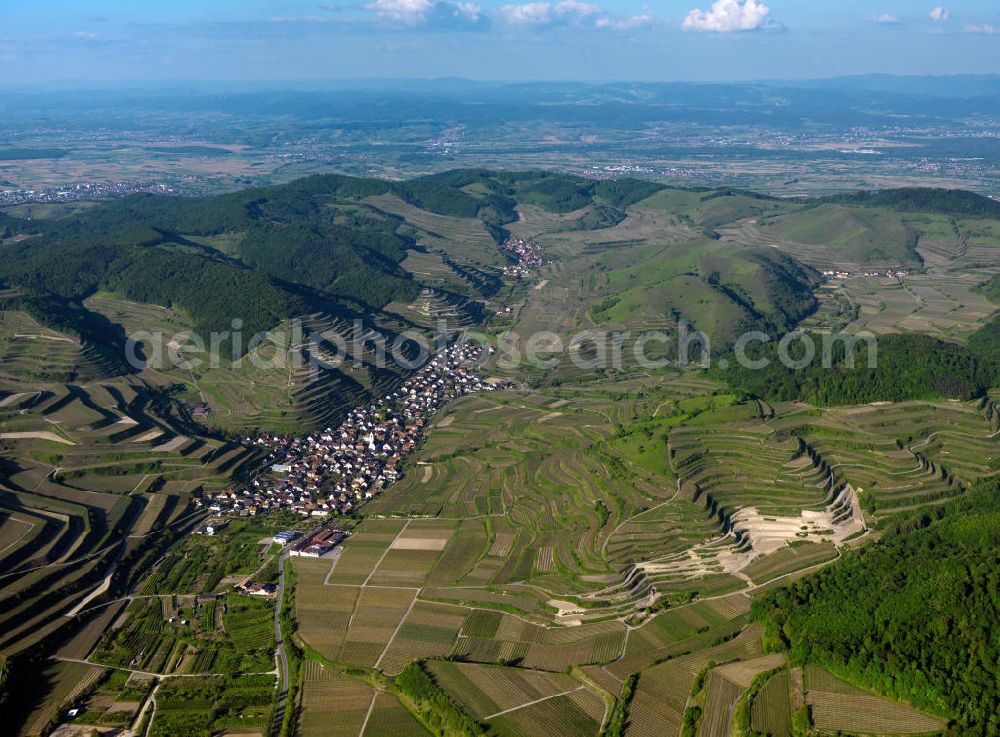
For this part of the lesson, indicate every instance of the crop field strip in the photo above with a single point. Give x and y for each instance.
(719, 702)
(486, 690)
(770, 712)
(836, 705)
(663, 690)
(332, 704)
(726, 683)
(576, 714)
(389, 718)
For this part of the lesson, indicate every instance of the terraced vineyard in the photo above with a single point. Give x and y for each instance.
(308, 371)
(95, 474)
(836, 705)
(96, 482)
(623, 529)
(618, 527)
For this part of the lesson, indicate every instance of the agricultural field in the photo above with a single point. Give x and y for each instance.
(621, 526)
(165, 635)
(486, 690)
(941, 299)
(565, 527)
(63, 684)
(389, 718)
(114, 700)
(663, 690)
(274, 386)
(621, 529)
(661, 263)
(332, 704)
(771, 707)
(836, 705)
(191, 706)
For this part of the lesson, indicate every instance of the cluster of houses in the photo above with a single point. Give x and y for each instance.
(526, 254)
(332, 472)
(888, 274)
(82, 191)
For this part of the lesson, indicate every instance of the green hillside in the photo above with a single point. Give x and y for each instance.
(394, 255)
(863, 235)
(954, 202)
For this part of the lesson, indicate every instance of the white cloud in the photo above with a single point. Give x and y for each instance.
(545, 14)
(436, 13)
(410, 12)
(986, 29)
(886, 19)
(626, 24)
(940, 15)
(730, 15)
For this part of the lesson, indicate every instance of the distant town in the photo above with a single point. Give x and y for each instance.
(83, 191)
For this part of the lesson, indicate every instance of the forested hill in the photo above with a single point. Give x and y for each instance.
(264, 254)
(944, 371)
(913, 616)
(954, 202)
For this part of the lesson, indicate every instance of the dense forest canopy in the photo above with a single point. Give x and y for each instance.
(954, 202)
(907, 366)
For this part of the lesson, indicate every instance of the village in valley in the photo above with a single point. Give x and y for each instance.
(525, 254)
(334, 471)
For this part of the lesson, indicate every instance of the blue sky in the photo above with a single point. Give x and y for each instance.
(108, 40)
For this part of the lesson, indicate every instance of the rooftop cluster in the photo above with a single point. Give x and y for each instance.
(333, 471)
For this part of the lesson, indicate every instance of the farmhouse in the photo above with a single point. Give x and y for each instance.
(254, 588)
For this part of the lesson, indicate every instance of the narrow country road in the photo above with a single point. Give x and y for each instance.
(282, 659)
